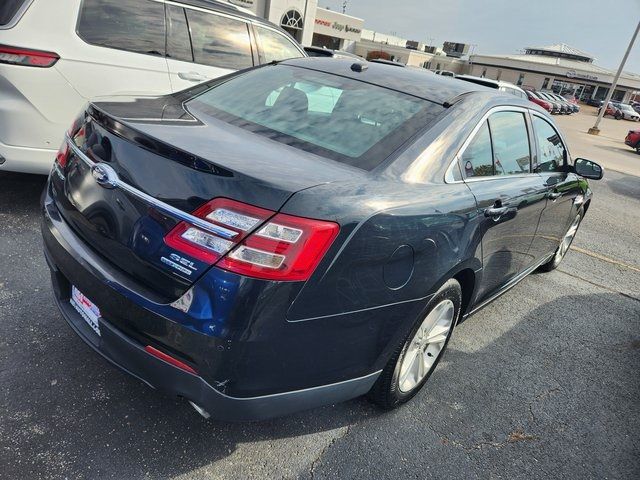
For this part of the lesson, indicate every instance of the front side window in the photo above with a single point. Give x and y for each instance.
(551, 150)
(510, 141)
(132, 25)
(343, 119)
(274, 46)
(219, 41)
(477, 158)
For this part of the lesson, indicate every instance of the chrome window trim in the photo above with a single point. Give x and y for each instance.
(16, 18)
(448, 176)
(159, 204)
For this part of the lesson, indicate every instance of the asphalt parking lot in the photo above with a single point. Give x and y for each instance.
(543, 383)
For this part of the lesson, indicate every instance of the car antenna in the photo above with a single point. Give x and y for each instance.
(455, 99)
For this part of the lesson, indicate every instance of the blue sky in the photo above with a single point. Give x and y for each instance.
(602, 28)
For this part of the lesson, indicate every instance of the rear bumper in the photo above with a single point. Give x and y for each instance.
(26, 159)
(71, 262)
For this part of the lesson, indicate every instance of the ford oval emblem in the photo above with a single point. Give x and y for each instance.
(105, 175)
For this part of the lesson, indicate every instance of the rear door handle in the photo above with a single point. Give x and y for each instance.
(495, 212)
(554, 195)
(192, 76)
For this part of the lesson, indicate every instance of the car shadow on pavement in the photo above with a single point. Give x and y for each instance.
(65, 412)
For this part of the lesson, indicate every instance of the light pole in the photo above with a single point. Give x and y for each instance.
(595, 130)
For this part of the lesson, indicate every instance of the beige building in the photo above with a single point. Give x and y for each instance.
(414, 58)
(561, 68)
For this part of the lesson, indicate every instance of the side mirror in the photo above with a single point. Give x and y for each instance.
(588, 169)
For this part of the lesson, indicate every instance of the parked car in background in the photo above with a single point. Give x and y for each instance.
(505, 87)
(560, 107)
(445, 73)
(54, 56)
(628, 113)
(570, 107)
(326, 52)
(570, 98)
(546, 104)
(612, 110)
(633, 139)
(594, 102)
(312, 230)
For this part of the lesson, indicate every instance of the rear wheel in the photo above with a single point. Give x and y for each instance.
(563, 248)
(413, 362)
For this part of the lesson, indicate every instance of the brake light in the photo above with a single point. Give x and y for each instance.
(63, 154)
(255, 242)
(27, 57)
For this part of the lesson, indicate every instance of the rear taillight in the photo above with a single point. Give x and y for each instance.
(27, 57)
(76, 129)
(253, 241)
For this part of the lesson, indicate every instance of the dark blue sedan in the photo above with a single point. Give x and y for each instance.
(304, 232)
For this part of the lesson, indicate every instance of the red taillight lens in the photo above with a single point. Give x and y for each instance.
(63, 154)
(285, 248)
(255, 242)
(27, 57)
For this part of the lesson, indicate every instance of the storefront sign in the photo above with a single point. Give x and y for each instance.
(335, 24)
(583, 76)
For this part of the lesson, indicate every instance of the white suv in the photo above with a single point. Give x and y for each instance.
(56, 55)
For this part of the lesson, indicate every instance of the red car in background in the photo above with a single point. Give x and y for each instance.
(548, 106)
(633, 139)
(612, 110)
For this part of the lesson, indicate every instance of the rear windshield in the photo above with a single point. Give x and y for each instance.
(8, 10)
(340, 118)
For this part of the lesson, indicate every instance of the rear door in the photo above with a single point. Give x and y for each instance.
(496, 165)
(563, 188)
(119, 49)
(202, 45)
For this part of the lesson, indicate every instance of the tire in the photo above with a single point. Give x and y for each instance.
(563, 248)
(387, 392)
(617, 117)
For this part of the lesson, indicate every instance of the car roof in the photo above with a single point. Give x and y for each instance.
(415, 82)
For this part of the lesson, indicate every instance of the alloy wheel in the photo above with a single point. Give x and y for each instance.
(568, 238)
(426, 345)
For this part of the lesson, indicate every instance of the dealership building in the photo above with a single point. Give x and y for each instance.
(308, 23)
(561, 68)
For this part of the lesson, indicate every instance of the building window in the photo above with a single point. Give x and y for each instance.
(293, 23)
(545, 84)
(520, 79)
(499, 74)
(427, 65)
(437, 66)
(484, 73)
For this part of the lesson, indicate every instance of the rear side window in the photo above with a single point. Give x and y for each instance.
(336, 117)
(219, 41)
(9, 9)
(510, 141)
(477, 158)
(132, 25)
(552, 152)
(275, 46)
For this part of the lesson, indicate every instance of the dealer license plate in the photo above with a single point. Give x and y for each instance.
(85, 308)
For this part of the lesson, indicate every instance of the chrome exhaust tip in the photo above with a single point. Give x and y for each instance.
(200, 410)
